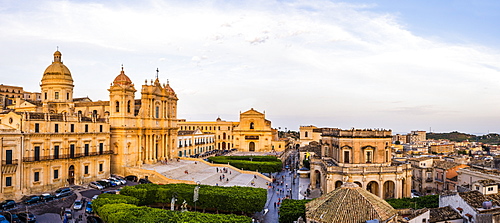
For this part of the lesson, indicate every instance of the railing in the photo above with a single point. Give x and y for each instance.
(384, 169)
(428, 180)
(65, 156)
(11, 162)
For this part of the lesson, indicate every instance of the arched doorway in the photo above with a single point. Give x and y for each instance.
(389, 187)
(338, 184)
(372, 187)
(251, 146)
(71, 175)
(223, 145)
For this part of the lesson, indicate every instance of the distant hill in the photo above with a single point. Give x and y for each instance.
(492, 138)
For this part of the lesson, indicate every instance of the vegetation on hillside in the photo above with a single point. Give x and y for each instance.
(492, 138)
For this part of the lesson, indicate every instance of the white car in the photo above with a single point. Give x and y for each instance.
(95, 196)
(96, 185)
(78, 205)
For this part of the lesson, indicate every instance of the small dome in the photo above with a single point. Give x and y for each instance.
(57, 70)
(349, 204)
(122, 79)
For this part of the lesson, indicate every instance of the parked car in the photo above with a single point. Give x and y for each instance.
(3, 219)
(131, 178)
(7, 204)
(95, 196)
(27, 217)
(13, 218)
(96, 185)
(104, 183)
(63, 192)
(111, 183)
(47, 197)
(144, 181)
(78, 205)
(68, 213)
(32, 199)
(88, 208)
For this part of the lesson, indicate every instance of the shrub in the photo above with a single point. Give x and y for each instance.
(291, 210)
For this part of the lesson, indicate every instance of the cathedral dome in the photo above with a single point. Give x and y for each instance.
(122, 79)
(57, 70)
(349, 204)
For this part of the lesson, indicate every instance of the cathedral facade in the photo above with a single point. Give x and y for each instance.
(55, 140)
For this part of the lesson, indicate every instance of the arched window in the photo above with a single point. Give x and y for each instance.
(387, 156)
(251, 125)
(157, 112)
(306, 134)
(117, 106)
(128, 106)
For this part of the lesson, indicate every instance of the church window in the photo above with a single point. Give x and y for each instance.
(8, 156)
(72, 128)
(128, 106)
(369, 156)
(56, 152)
(251, 125)
(56, 174)
(101, 167)
(72, 151)
(37, 177)
(56, 95)
(86, 169)
(37, 153)
(157, 112)
(346, 157)
(67, 96)
(86, 128)
(8, 181)
(101, 148)
(100, 128)
(37, 127)
(86, 149)
(224, 135)
(306, 134)
(45, 94)
(117, 106)
(56, 128)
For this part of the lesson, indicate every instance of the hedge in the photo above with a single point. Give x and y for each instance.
(226, 199)
(128, 213)
(263, 164)
(291, 210)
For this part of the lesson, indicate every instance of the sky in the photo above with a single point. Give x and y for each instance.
(389, 64)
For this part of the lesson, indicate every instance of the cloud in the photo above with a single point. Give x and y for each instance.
(317, 58)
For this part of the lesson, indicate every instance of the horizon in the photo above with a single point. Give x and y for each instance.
(362, 64)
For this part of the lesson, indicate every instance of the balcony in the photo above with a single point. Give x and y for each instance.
(428, 180)
(65, 156)
(10, 162)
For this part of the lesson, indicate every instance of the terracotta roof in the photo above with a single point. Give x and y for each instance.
(445, 164)
(122, 79)
(349, 204)
(443, 214)
(487, 182)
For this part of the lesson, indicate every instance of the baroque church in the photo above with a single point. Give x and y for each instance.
(60, 140)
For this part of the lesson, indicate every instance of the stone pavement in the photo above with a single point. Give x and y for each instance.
(207, 174)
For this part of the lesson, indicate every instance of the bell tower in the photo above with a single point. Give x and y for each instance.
(121, 100)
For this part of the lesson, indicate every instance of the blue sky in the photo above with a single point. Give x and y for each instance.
(400, 65)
